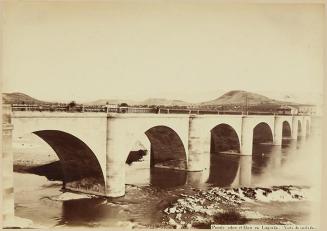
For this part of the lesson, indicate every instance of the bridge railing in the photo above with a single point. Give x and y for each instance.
(141, 110)
(263, 113)
(128, 109)
(93, 109)
(37, 107)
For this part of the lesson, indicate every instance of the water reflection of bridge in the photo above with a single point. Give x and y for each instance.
(93, 147)
(226, 170)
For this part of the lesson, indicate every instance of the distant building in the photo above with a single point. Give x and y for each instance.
(300, 109)
(111, 107)
(307, 109)
(287, 110)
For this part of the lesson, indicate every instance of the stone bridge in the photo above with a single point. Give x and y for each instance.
(93, 147)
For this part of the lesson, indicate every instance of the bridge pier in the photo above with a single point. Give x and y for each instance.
(8, 210)
(115, 164)
(197, 178)
(276, 157)
(278, 131)
(198, 146)
(295, 127)
(246, 141)
(244, 172)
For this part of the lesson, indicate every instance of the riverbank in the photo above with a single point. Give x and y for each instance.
(233, 206)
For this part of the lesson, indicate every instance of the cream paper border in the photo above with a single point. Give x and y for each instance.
(323, 225)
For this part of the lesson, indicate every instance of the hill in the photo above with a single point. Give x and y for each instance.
(17, 97)
(239, 97)
(150, 101)
(164, 102)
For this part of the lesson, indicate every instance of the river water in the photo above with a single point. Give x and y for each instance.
(148, 194)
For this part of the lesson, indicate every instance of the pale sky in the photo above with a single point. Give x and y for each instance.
(188, 50)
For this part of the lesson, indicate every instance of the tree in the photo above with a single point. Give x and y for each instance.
(123, 105)
(72, 104)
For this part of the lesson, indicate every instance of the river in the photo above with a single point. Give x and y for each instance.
(294, 163)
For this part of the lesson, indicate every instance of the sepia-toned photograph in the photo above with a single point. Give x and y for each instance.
(163, 114)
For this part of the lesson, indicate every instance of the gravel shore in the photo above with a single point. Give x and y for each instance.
(228, 206)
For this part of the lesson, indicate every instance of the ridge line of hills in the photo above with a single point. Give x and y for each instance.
(231, 98)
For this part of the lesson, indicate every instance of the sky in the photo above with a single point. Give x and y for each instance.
(188, 50)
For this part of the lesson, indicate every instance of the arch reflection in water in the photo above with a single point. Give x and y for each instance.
(223, 169)
(262, 157)
(85, 212)
(227, 167)
(230, 170)
(141, 174)
(167, 178)
(288, 149)
(275, 157)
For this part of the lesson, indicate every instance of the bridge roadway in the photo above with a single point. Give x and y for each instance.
(93, 147)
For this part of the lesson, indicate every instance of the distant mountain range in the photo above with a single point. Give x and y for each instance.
(165, 102)
(236, 97)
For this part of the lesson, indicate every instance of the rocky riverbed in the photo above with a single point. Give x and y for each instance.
(230, 206)
(43, 202)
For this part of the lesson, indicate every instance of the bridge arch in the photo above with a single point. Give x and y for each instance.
(224, 138)
(262, 133)
(159, 155)
(80, 167)
(166, 148)
(286, 129)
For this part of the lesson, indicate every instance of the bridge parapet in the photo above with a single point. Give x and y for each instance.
(58, 107)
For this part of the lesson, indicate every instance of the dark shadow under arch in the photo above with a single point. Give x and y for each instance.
(162, 164)
(224, 138)
(287, 132)
(167, 149)
(223, 166)
(262, 133)
(80, 167)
